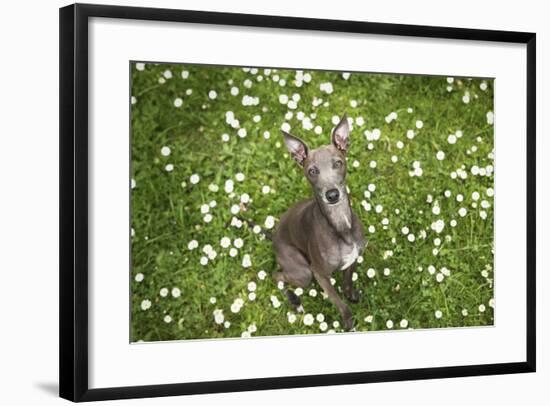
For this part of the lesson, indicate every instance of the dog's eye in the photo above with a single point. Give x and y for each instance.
(337, 164)
(313, 171)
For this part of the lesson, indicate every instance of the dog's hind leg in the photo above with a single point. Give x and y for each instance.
(295, 271)
(292, 297)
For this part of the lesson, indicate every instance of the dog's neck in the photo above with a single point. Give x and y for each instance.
(338, 216)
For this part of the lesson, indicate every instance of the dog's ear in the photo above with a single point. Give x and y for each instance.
(297, 148)
(340, 135)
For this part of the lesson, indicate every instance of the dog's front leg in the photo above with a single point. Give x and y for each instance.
(347, 317)
(351, 293)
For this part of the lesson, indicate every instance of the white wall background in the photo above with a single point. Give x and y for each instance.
(29, 202)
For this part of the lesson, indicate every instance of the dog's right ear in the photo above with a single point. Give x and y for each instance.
(297, 148)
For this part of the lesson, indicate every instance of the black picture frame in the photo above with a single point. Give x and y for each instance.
(73, 276)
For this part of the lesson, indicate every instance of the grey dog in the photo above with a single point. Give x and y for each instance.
(322, 234)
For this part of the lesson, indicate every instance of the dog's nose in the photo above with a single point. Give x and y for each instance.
(332, 195)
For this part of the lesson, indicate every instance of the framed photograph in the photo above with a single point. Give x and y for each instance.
(256, 202)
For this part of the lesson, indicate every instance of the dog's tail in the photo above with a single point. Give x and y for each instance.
(254, 226)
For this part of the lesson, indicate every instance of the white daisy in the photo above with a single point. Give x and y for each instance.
(247, 263)
(145, 304)
(194, 179)
(308, 319)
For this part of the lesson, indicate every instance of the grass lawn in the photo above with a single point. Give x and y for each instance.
(206, 146)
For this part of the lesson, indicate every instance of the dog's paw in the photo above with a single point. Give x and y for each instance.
(348, 324)
(293, 299)
(300, 309)
(353, 296)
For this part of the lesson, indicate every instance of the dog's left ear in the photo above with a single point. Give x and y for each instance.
(340, 135)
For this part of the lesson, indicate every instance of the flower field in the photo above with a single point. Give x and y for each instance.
(207, 151)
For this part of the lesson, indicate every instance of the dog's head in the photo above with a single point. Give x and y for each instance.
(324, 167)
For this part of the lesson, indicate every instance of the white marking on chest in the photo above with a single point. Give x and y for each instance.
(347, 221)
(350, 258)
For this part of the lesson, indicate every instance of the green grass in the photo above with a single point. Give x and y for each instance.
(166, 205)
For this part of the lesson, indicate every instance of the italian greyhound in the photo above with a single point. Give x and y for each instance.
(320, 235)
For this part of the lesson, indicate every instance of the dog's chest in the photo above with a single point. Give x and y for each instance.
(342, 256)
(348, 255)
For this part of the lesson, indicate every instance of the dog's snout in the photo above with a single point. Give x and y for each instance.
(332, 195)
